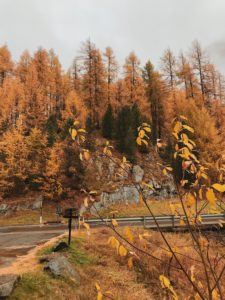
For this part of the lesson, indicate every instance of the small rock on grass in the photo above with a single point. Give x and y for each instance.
(58, 265)
(7, 283)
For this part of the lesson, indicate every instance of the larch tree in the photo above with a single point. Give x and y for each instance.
(12, 101)
(93, 82)
(111, 73)
(14, 162)
(198, 60)
(154, 93)
(55, 97)
(36, 144)
(133, 82)
(169, 69)
(187, 77)
(6, 64)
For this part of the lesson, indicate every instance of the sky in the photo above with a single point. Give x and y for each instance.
(147, 27)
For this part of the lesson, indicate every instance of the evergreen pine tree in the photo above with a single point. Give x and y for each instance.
(107, 123)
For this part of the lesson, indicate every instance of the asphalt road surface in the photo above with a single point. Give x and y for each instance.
(18, 241)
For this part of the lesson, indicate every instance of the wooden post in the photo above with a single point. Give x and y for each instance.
(70, 225)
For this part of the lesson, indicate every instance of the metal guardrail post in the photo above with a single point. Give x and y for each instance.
(173, 221)
(144, 222)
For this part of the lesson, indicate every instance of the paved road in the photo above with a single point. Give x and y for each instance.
(18, 241)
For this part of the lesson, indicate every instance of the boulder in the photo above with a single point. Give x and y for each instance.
(7, 283)
(37, 203)
(137, 173)
(4, 208)
(58, 265)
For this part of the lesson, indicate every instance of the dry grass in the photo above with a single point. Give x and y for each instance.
(26, 217)
(104, 266)
(158, 207)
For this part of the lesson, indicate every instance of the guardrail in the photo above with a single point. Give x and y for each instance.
(163, 221)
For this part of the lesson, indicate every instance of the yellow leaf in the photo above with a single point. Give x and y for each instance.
(183, 117)
(73, 133)
(86, 155)
(219, 187)
(114, 242)
(114, 222)
(190, 200)
(177, 127)
(147, 129)
(169, 168)
(128, 234)
(203, 175)
(145, 142)
(164, 172)
(141, 133)
(82, 130)
(130, 262)
(200, 194)
(185, 138)
(122, 251)
(211, 197)
(99, 296)
(138, 140)
(188, 128)
(97, 286)
(165, 283)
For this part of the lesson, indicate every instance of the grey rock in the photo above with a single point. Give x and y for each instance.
(127, 194)
(4, 208)
(58, 265)
(7, 283)
(137, 173)
(99, 167)
(111, 167)
(37, 203)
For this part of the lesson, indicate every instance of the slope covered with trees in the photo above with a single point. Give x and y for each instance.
(39, 102)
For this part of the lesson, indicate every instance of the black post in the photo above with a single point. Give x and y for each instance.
(70, 225)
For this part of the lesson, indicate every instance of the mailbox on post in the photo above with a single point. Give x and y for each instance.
(70, 214)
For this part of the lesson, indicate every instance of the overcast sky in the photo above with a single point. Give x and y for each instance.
(147, 27)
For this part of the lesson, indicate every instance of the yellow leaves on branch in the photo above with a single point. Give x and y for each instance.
(76, 133)
(165, 283)
(115, 244)
(143, 132)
